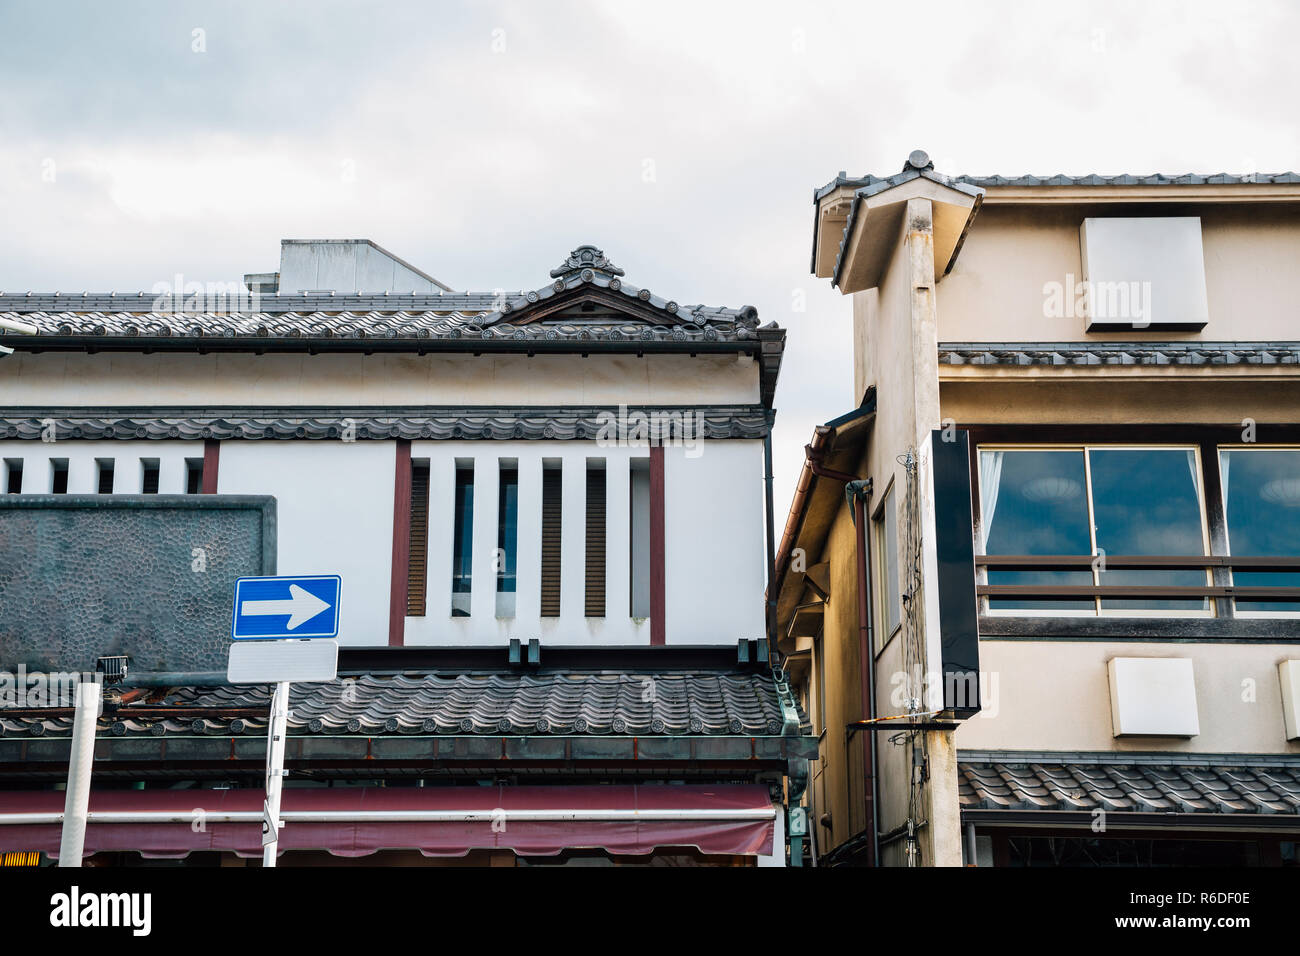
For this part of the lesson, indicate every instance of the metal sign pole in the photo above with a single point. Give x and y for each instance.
(275, 732)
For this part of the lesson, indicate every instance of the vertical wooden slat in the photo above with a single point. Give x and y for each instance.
(552, 526)
(658, 601)
(417, 575)
(401, 543)
(211, 460)
(595, 565)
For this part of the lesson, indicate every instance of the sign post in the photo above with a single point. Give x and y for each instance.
(284, 630)
(274, 772)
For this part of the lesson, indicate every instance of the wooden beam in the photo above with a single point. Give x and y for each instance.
(211, 463)
(401, 543)
(658, 602)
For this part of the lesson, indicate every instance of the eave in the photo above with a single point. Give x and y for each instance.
(837, 445)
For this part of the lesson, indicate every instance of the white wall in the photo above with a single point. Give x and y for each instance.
(438, 628)
(334, 516)
(83, 474)
(69, 379)
(713, 537)
(713, 543)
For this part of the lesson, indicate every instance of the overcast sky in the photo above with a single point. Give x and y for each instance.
(483, 141)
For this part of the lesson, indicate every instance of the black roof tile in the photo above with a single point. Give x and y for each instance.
(1079, 783)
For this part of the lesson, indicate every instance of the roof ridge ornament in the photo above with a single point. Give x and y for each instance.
(585, 257)
(919, 160)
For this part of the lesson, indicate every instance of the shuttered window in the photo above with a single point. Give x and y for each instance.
(194, 476)
(105, 484)
(417, 568)
(149, 476)
(552, 523)
(14, 476)
(595, 583)
(59, 476)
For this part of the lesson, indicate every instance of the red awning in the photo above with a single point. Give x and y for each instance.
(437, 821)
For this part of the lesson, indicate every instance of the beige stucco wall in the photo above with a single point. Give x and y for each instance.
(894, 340)
(995, 291)
(1107, 400)
(58, 379)
(1054, 695)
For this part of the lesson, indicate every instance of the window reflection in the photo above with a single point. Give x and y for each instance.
(1146, 501)
(1261, 497)
(1092, 501)
(1034, 502)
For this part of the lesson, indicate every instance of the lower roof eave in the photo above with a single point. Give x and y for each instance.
(1180, 822)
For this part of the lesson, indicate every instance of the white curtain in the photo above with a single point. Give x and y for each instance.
(990, 485)
(1225, 459)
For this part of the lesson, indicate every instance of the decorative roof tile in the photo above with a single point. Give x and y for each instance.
(1119, 353)
(1082, 783)
(408, 319)
(540, 422)
(740, 703)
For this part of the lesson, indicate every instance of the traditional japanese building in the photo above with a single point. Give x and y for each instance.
(550, 511)
(1040, 590)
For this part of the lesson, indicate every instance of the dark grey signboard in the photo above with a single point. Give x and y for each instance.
(955, 547)
(149, 576)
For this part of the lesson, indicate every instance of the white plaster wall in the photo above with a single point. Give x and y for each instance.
(72, 379)
(438, 628)
(83, 475)
(713, 543)
(714, 546)
(334, 515)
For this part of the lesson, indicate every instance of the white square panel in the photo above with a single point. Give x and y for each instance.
(1288, 673)
(1153, 696)
(1144, 273)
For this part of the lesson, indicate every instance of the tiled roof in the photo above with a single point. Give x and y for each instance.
(1159, 784)
(1119, 353)
(873, 183)
(404, 317)
(741, 703)
(450, 423)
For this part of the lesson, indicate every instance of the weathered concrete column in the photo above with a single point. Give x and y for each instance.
(941, 807)
(76, 806)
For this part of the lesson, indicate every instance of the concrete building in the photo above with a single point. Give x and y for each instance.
(1075, 470)
(548, 508)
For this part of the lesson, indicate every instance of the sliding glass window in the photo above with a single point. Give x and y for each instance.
(1261, 499)
(1096, 502)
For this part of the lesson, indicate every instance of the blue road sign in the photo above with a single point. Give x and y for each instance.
(280, 608)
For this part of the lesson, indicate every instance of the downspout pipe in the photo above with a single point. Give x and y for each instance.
(769, 615)
(859, 491)
(856, 492)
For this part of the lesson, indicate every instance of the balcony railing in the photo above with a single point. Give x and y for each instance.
(1073, 562)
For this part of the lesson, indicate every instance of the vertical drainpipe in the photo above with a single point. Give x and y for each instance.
(858, 490)
(770, 615)
(866, 615)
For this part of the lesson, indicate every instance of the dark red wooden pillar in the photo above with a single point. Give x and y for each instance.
(211, 461)
(658, 601)
(401, 544)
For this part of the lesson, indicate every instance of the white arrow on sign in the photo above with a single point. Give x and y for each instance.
(301, 607)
